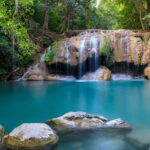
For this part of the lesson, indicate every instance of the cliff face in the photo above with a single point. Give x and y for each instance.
(84, 52)
(127, 46)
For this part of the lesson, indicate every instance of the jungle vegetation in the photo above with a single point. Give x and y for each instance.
(28, 26)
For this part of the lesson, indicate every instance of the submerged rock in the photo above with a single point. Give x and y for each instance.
(140, 139)
(2, 139)
(102, 73)
(84, 121)
(32, 136)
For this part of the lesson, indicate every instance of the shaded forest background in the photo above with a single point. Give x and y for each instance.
(27, 27)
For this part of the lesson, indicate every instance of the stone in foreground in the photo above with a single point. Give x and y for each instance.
(84, 121)
(32, 136)
(2, 140)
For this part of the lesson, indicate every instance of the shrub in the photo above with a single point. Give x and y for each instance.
(49, 56)
(107, 52)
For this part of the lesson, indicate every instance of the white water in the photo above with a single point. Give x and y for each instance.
(121, 77)
(95, 51)
(67, 56)
(81, 56)
(42, 59)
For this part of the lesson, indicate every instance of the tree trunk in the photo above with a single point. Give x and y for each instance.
(138, 8)
(16, 8)
(12, 36)
(46, 15)
(45, 25)
(140, 18)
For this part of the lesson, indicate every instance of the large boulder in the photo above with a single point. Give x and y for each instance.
(83, 121)
(147, 72)
(32, 136)
(36, 72)
(102, 73)
(2, 139)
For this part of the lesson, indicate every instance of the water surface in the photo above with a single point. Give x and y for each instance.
(23, 102)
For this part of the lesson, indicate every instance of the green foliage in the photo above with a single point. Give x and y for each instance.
(7, 57)
(16, 48)
(147, 20)
(50, 55)
(55, 23)
(21, 21)
(107, 52)
(13, 22)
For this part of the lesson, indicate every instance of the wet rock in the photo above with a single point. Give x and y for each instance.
(117, 123)
(84, 121)
(32, 136)
(127, 46)
(36, 72)
(58, 78)
(147, 72)
(2, 139)
(102, 73)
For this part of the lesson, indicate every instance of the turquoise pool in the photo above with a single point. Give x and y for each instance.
(22, 102)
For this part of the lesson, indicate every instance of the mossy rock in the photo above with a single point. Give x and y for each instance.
(32, 136)
(2, 139)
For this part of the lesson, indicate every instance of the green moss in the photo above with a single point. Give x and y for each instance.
(49, 56)
(107, 52)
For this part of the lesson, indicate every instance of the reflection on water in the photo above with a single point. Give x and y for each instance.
(39, 101)
(94, 142)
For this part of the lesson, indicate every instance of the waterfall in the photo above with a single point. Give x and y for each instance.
(81, 57)
(114, 36)
(67, 57)
(127, 50)
(42, 59)
(124, 45)
(95, 51)
(121, 44)
(94, 64)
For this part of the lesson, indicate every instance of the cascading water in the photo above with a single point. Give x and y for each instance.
(127, 49)
(81, 57)
(42, 59)
(67, 57)
(95, 51)
(114, 37)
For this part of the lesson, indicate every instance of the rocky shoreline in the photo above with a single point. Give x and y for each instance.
(45, 136)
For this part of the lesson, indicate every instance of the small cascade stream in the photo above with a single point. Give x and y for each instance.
(95, 51)
(42, 59)
(67, 57)
(80, 57)
(95, 63)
